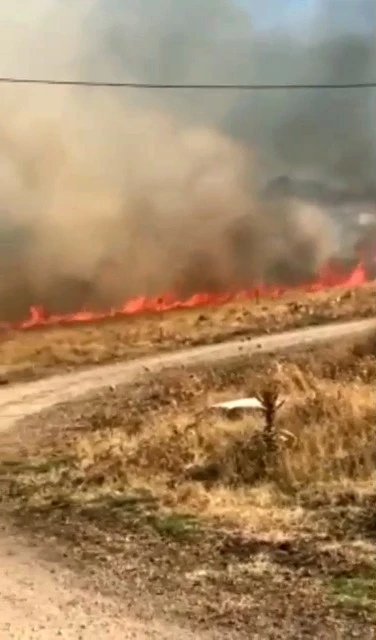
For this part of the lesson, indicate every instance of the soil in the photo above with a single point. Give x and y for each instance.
(203, 576)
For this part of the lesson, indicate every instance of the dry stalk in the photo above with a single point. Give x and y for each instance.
(269, 399)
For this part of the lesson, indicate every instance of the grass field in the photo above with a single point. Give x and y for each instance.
(41, 352)
(260, 524)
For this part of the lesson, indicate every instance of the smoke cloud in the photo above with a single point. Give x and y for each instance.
(106, 194)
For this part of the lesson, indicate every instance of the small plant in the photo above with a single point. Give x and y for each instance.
(355, 593)
(175, 525)
(269, 399)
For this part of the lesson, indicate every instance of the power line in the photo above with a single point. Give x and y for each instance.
(161, 86)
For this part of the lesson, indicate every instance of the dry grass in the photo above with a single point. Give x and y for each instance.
(281, 504)
(44, 351)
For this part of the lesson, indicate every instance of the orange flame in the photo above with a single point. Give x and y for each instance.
(329, 278)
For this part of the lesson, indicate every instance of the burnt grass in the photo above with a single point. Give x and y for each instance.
(155, 498)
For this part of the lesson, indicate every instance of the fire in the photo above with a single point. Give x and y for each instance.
(330, 276)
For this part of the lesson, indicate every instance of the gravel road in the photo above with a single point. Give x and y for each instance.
(40, 601)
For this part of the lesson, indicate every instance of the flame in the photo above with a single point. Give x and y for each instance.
(330, 276)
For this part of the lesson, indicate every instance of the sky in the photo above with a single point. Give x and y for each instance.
(293, 14)
(283, 12)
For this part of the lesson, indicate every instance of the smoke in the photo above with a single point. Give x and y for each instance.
(109, 194)
(324, 134)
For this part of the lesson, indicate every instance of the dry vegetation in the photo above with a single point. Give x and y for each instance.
(41, 352)
(261, 524)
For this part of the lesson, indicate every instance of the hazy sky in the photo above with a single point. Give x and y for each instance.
(282, 12)
(295, 13)
(18, 20)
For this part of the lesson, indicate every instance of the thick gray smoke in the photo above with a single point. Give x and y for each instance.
(109, 194)
(324, 134)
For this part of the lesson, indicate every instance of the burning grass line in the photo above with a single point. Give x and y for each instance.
(26, 356)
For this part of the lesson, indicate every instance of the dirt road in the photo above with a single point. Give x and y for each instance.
(38, 600)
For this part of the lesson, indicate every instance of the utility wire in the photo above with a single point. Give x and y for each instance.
(206, 87)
